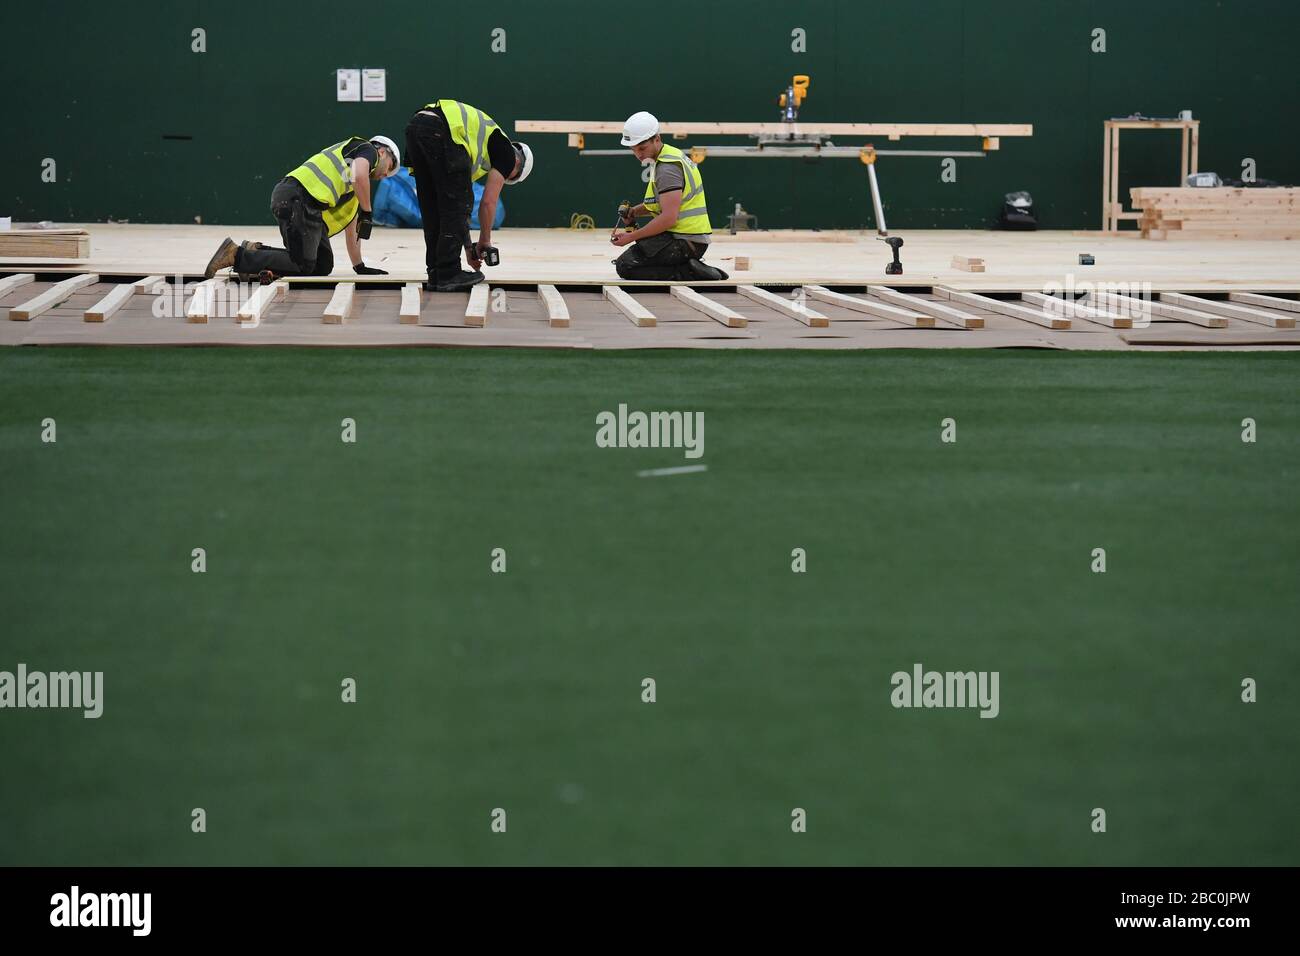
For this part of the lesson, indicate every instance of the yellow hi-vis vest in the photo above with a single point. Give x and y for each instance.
(470, 127)
(692, 217)
(328, 177)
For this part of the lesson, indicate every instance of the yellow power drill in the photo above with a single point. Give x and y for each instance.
(624, 215)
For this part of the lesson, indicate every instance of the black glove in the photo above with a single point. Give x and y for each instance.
(364, 222)
(365, 270)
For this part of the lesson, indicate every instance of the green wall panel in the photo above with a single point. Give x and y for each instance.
(105, 89)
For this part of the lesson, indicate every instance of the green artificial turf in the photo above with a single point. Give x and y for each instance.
(522, 690)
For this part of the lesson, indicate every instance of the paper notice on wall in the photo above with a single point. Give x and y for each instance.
(374, 86)
(349, 86)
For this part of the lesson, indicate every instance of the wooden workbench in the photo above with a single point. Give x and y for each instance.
(1112, 210)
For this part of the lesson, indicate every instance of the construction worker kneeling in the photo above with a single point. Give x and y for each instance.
(672, 244)
(328, 194)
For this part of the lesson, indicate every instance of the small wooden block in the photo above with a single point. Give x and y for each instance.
(557, 313)
(9, 283)
(105, 307)
(877, 309)
(409, 312)
(968, 263)
(795, 310)
(50, 298)
(640, 316)
(742, 263)
(476, 311)
(714, 310)
(340, 304)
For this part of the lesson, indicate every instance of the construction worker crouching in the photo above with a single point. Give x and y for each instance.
(451, 145)
(672, 244)
(328, 194)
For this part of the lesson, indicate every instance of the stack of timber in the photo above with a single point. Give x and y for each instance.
(45, 244)
(1218, 213)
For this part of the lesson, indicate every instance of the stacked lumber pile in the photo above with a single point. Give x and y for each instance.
(1186, 212)
(45, 244)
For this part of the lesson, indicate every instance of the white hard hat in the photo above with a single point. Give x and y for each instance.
(526, 155)
(392, 148)
(639, 128)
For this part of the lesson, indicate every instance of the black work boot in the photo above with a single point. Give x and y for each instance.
(459, 281)
(695, 269)
(447, 274)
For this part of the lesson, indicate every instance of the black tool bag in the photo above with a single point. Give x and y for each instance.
(1254, 184)
(1018, 212)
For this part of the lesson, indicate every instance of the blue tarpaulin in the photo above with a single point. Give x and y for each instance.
(395, 203)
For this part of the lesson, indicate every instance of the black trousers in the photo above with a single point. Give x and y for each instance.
(442, 183)
(306, 249)
(661, 257)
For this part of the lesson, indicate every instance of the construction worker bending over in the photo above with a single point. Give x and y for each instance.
(328, 194)
(672, 244)
(450, 145)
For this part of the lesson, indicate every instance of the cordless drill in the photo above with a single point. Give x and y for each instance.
(624, 217)
(488, 255)
(894, 268)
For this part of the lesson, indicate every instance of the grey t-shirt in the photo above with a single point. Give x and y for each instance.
(668, 177)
